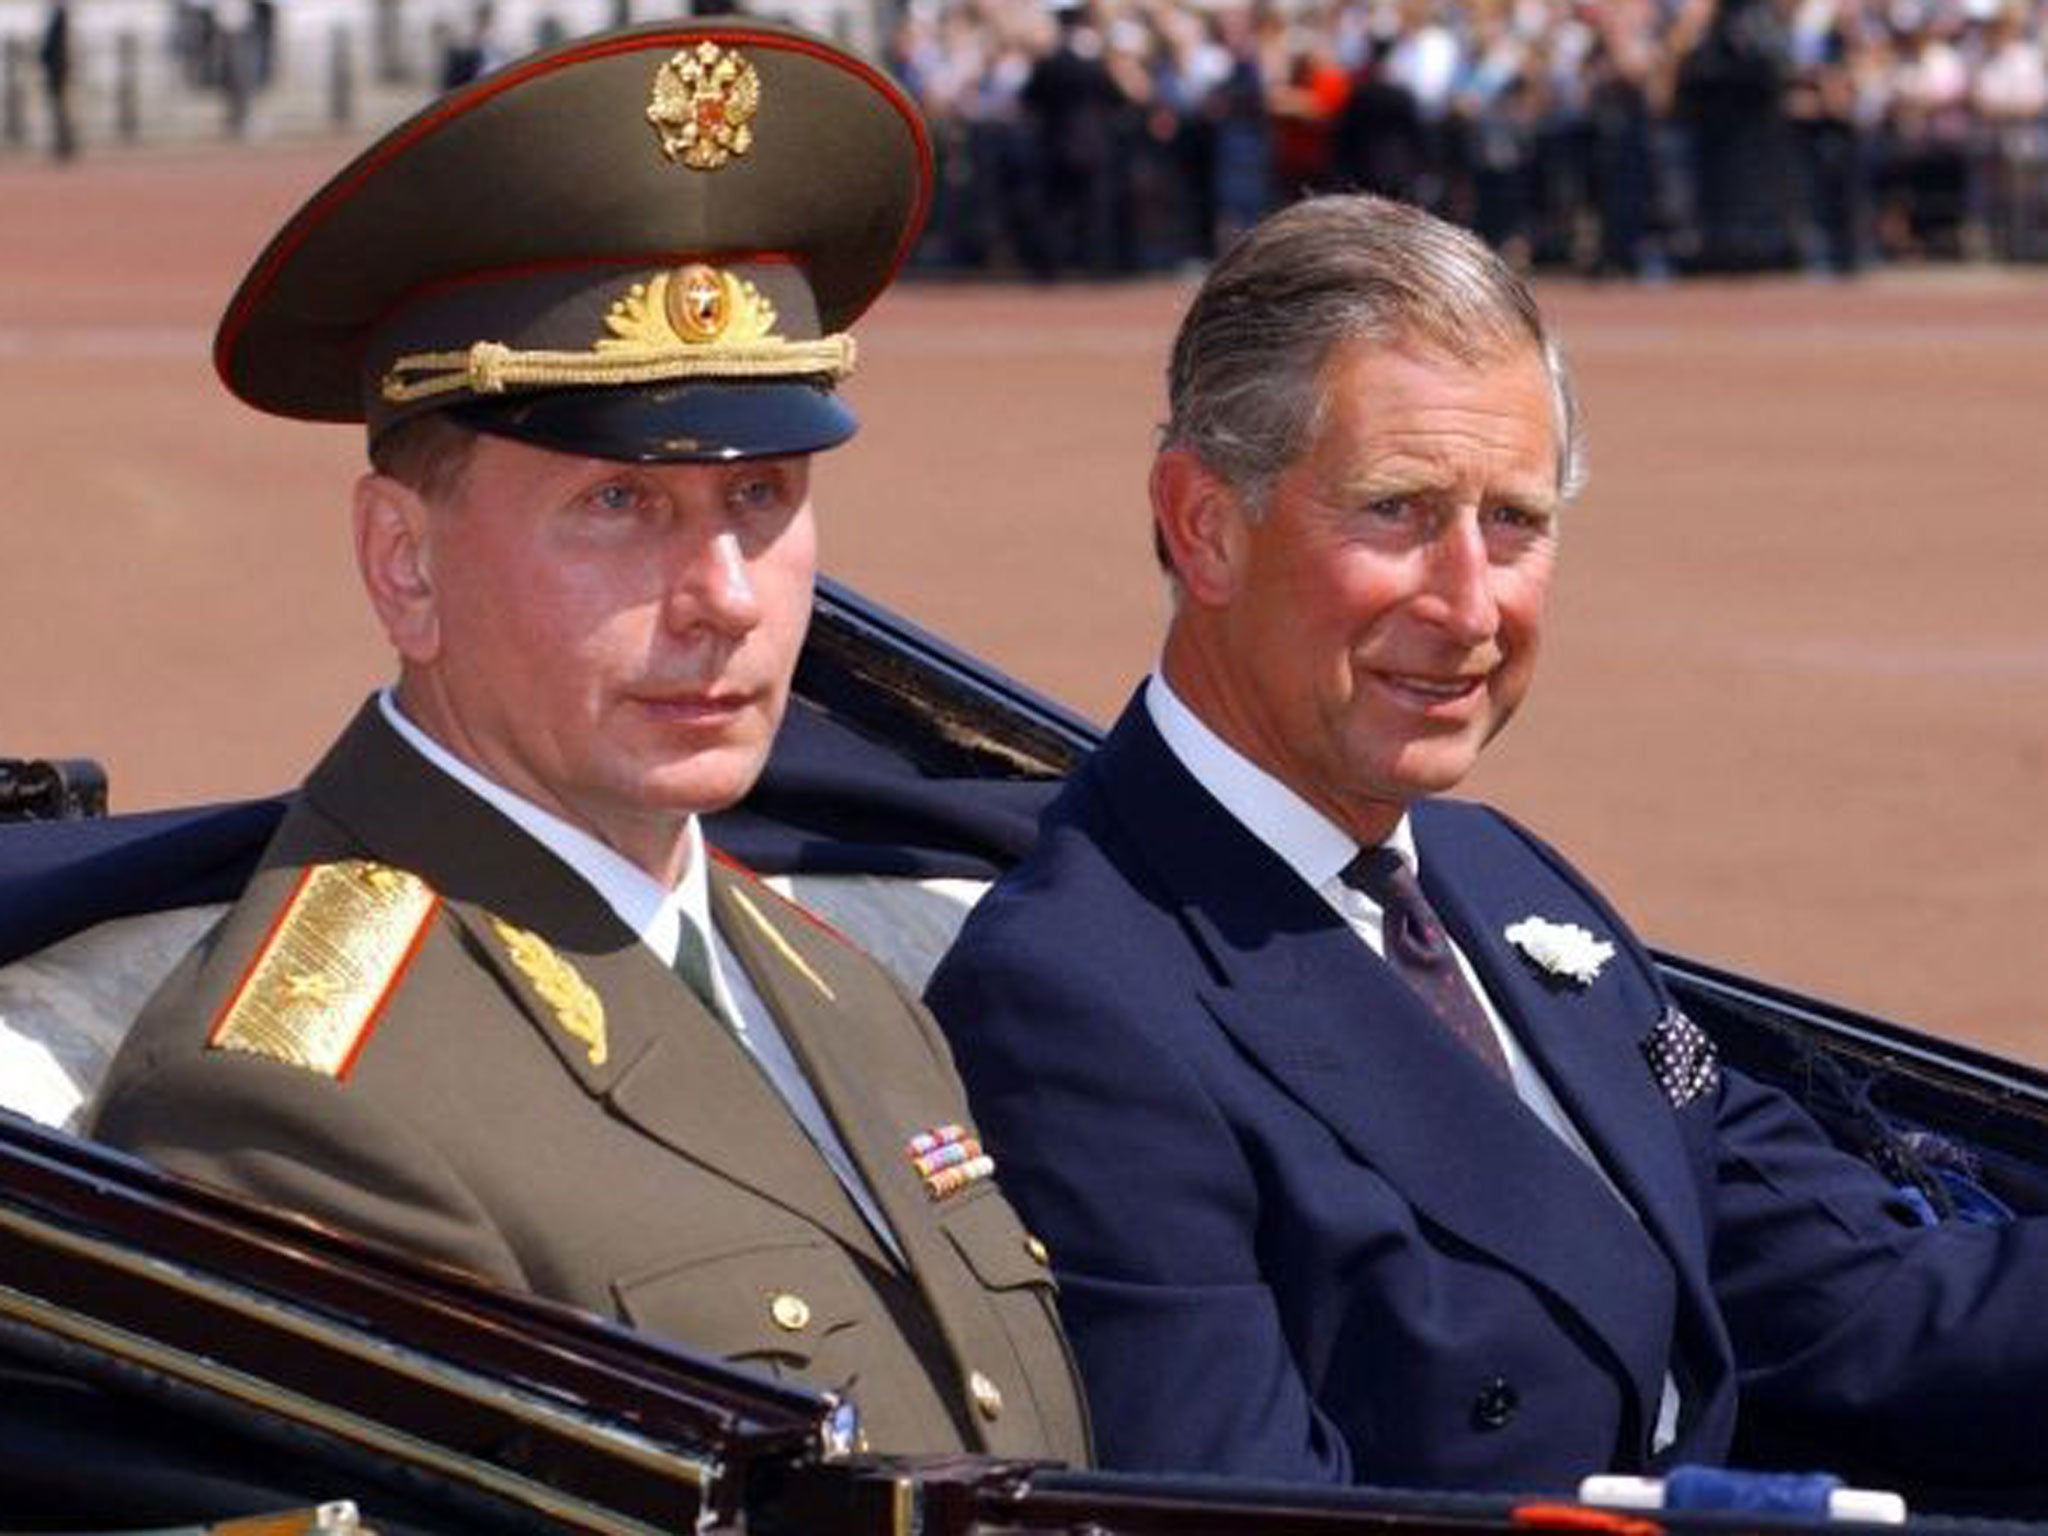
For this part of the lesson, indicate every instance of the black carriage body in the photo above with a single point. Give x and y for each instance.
(171, 1355)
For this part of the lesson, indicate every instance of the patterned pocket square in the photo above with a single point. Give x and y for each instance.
(1682, 1059)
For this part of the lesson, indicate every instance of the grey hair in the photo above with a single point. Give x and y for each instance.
(1243, 385)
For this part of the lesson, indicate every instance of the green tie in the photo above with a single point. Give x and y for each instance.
(771, 1054)
(693, 964)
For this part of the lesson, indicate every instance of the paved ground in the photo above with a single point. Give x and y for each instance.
(1795, 706)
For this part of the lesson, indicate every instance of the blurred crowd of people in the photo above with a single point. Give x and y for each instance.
(1619, 137)
(228, 47)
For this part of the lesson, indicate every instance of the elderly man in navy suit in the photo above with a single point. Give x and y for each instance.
(1367, 1142)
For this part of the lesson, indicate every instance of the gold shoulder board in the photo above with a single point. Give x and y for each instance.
(330, 962)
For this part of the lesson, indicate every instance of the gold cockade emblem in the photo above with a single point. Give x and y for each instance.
(694, 305)
(703, 100)
(699, 304)
(576, 1005)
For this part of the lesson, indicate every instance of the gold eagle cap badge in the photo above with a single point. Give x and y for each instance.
(703, 104)
(573, 1001)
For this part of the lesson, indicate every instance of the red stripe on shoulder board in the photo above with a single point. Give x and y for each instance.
(419, 938)
(257, 956)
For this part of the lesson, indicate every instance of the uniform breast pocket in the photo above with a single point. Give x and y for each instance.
(1014, 1271)
(1003, 1256)
(792, 1306)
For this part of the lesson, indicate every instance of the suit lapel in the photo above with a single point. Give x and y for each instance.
(1337, 1030)
(1357, 1049)
(1588, 1047)
(667, 1067)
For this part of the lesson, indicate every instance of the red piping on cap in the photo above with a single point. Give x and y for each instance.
(314, 213)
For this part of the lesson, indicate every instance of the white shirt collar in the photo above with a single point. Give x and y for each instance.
(642, 903)
(1306, 840)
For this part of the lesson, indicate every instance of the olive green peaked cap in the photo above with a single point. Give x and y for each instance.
(643, 244)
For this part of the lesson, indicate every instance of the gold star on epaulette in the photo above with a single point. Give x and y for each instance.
(311, 987)
(336, 952)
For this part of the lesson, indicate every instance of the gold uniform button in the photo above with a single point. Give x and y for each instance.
(1036, 1249)
(790, 1311)
(987, 1397)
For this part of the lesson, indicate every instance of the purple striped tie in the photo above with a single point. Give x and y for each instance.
(1420, 953)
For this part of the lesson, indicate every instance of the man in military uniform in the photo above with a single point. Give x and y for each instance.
(489, 998)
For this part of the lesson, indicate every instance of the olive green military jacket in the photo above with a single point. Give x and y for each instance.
(418, 1024)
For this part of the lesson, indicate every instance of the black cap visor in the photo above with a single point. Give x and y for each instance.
(670, 423)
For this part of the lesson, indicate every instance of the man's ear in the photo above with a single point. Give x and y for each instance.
(1199, 524)
(394, 553)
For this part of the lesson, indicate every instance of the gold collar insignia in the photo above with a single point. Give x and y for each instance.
(781, 945)
(577, 1007)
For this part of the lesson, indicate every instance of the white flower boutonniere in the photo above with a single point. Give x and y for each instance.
(1561, 949)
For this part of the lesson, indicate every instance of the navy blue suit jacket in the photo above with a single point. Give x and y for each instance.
(1302, 1233)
